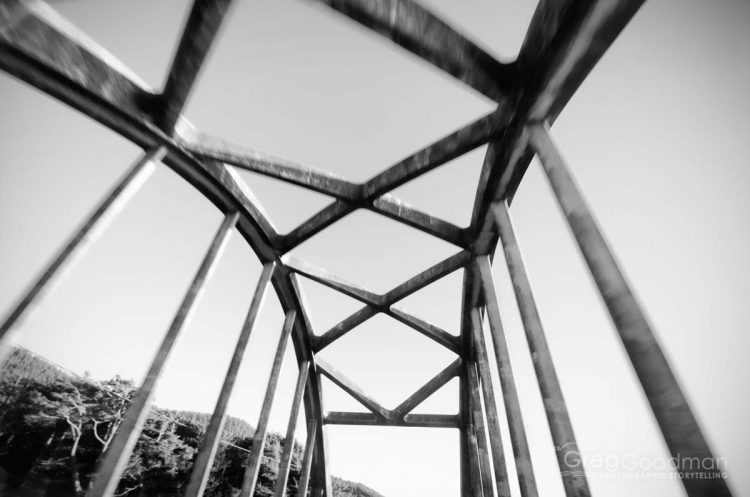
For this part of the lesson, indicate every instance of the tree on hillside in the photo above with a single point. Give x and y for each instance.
(55, 427)
(161, 460)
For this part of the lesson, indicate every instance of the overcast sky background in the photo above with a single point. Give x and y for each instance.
(656, 136)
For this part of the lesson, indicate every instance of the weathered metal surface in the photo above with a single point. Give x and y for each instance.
(212, 436)
(450, 147)
(426, 277)
(483, 456)
(343, 327)
(472, 472)
(116, 458)
(331, 280)
(103, 214)
(676, 420)
(490, 408)
(401, 211)
(247, 158)
(507, 382)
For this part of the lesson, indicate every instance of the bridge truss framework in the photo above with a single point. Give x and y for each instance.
(564, 41)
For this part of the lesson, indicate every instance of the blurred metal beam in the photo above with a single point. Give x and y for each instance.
(352, 389)
(669, 405)
(198, 35)
(93, 226)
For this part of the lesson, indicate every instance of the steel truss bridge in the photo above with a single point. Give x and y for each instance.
(564, 41)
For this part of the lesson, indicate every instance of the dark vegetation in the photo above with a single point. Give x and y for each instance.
(54, 427)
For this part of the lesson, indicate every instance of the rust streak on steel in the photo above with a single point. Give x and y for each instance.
(490, 408)
(483, 457)
(424, 160)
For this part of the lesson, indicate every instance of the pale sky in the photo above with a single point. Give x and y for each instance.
(656, 136)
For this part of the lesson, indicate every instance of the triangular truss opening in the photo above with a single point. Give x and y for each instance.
(356, 139)
(325, 307)
(393, 249)
(447, 192)
(287, 205)
(336, 399)
(377, 357)
(438, 302)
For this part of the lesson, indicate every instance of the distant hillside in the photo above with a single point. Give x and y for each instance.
(24, 364)
(54, 426)
(345, 488)
(233, 427)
